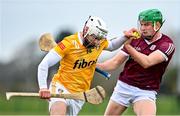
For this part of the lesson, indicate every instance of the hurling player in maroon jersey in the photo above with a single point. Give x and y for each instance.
(147, 59)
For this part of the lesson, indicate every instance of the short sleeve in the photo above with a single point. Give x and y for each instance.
(167, 48)
(106, 43)
(124, 49)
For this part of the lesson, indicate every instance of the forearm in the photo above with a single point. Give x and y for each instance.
(106, 65)
(142, 59)
(42, 75)
(49, 60)
(113, 63)
(116, 43)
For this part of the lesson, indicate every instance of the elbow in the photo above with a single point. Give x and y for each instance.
(146, 65)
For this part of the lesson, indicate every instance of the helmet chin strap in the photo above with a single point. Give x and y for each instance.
(87, 44)
(150, 37)
(147, 37)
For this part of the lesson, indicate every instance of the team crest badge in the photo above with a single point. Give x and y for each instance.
(138, 48)
(152, 47)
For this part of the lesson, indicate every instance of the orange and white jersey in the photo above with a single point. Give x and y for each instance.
(77, 65)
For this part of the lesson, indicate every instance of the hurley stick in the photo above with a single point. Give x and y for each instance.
(93, 96)
(46, 42)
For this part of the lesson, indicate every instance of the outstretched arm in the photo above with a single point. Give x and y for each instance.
(116, 43)
(113, 63)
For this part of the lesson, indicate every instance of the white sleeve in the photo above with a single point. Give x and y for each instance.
(49, 60)
(116, 43)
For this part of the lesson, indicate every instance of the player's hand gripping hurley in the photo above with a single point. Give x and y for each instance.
(93, 96)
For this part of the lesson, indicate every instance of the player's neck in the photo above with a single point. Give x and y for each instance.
(81, 35)
(156, 37)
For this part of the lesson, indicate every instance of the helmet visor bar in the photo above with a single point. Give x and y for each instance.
(103, 30)
(102, 34)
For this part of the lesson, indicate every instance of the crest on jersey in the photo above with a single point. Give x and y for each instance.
(138, 48)
(152, 47)
(76, 45)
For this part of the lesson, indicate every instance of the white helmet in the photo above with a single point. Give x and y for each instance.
(95, 25)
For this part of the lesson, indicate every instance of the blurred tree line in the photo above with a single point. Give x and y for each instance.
(21, 73)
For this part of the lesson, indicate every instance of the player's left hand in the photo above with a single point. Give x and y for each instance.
(132, 33)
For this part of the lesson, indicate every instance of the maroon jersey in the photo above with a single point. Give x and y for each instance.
(149, 78)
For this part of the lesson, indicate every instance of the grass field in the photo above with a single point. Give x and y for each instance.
(166, 105)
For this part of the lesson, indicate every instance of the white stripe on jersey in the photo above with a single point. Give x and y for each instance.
(170, 49)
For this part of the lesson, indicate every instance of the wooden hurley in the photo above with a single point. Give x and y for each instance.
(46, 42)
(94, 96)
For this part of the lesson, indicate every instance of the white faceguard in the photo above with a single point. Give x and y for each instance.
(95, 26)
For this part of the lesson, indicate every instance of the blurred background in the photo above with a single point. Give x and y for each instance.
(22, 22)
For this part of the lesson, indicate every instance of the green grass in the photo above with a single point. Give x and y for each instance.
(22, 105)
(166, 105)
(91, 109)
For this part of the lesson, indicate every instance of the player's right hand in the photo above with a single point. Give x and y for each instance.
(44, 93)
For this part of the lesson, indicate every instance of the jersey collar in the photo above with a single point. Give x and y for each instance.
(153, 41)
(80, 38)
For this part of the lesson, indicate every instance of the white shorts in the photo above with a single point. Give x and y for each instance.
(125, 94)
(73, 106)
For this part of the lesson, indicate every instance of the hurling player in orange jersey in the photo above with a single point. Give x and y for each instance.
(77, 55)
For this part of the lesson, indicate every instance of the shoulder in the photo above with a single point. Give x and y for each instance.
(166, 45)
(71, 37)
(68, 39)
(166, 41)
(166, 38)
(104, 43)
